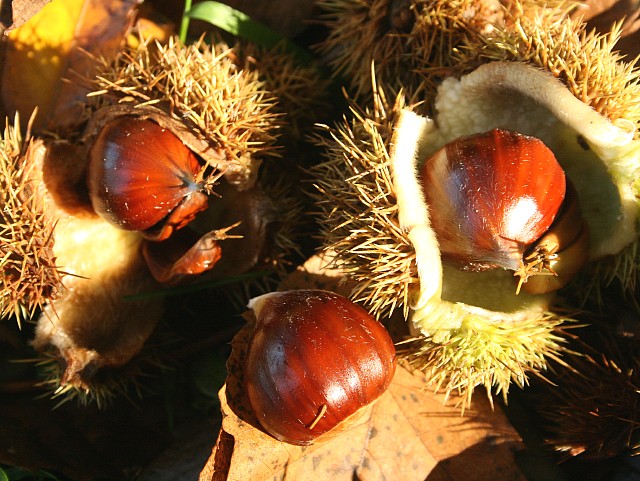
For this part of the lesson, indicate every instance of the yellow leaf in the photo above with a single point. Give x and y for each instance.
(36, 57)
(50, 57)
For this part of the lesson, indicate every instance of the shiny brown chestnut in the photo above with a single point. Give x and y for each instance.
(496, 201)
(142, 177)
(315, 359)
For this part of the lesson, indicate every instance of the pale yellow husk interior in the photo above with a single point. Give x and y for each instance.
(522, 98)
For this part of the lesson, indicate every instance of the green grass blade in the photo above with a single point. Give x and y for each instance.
(241, 25)
(184, 23)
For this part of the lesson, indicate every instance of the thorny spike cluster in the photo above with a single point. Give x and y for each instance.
(488, 344)
(595, 413)
(355, 191)
(301, 89)
(29, 273)
(411, 43)
(491, 356)
(220, 106)
(229, 106)
(610, 85)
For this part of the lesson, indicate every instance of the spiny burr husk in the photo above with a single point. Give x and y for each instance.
(587, 62)
(597, 151)
(492, 344)
(590, 67)
(30, 276)
(87, 267)
(395, 36)
(222, 112)
(592, 409)
(300, 88)
(86, 324)
(96, 323)
(410, 43)
(100, 385)
(472, 327)
(229, 105)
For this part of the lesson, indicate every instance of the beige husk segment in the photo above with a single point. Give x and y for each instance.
(530, 73)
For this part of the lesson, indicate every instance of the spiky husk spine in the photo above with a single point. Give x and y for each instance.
(489, 355)
(354, 189)
(29, 275)
(299, 86)
(104, 389)
(357, 38)
(592, 408)
(410, 42)
(586, 61)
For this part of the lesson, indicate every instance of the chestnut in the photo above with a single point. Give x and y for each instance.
(315, 358)
(142, 177)
(496, 199)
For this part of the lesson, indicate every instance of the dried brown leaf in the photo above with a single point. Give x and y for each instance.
(407, 434)
(16, 12)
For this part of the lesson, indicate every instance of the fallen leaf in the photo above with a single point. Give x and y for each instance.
(15, 13)
(47, 58)
(407, 434)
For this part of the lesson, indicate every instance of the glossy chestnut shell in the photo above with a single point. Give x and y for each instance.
(315, 358)
(491, 196)
(142, 177)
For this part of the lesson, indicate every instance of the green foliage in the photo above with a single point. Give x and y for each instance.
(239, 24)
(8, 473)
